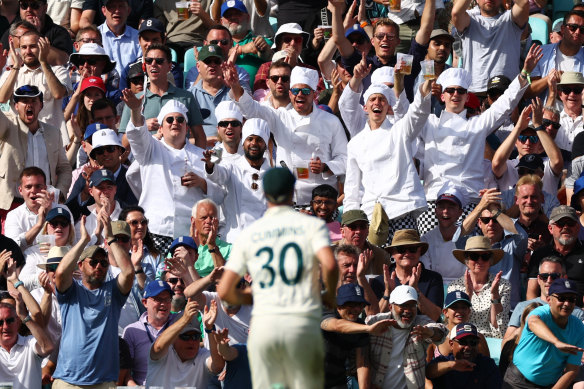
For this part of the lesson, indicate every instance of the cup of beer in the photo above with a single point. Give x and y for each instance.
(404, 63)
(302, 171)
(394, 5)
(428, 69)
(182, 10)
(327, 31)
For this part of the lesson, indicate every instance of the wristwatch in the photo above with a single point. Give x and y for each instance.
(213, 250)
(496, 301)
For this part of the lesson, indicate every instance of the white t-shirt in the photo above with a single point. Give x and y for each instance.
(395, 376)
(22, 366)
(439, 256)
(170, 371)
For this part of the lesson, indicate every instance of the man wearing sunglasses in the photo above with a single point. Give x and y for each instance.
(569, 91)
(549, 351)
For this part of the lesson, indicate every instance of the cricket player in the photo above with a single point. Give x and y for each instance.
(282, 252)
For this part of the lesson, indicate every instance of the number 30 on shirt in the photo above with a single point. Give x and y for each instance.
(271, 270)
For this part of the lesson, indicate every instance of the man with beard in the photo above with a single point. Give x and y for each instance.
(279, 83)
(398, 356)
(244, 202)
(90, 310)
(229, 126)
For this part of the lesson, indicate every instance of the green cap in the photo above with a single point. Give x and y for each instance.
(90, 252)
(278, 185)
(120, 227)
(352, 216)
(210, 51)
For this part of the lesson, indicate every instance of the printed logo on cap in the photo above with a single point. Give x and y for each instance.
(467, 328)
(567, 284)
(92, 80)
(104, 173)
(211, 49)
(59, 210)
(160, 283)
(357, 291)
(530, 158)
(180, 239)
(231, 3)
(458, 295)
(149, 23)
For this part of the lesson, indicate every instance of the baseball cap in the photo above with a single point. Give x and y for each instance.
(356, 28)
(104, 138)
(352, 216)
(563, 211)
(456, 296)
(441, 32)
(350, 293)
(58, 212)
(90, 252)
(27, 91)
(152, 24)
(120, 227)
(135, 70)
(154, 288)
(451, 194)
(562, 285)
(56, 253)
(93, 128)
(578, 187)
(531, 162)
(463, 330)
(211, 51)
(278, 184)
(186, 241)
(472, 102)
(99, 176)
(402, 294)
(237, 4)
(557, 27)
(499, 83)
(93, 82)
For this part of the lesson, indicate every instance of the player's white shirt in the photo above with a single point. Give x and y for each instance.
(278, 251)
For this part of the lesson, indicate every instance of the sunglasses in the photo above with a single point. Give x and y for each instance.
(573, 27)
(171, 119)
(100, 150)
(254, 185)
(59, 223)
(409, 249)
(226, 123)
(89, 40)
(173, 280)
(277, 78)
(103, 262)
(324, 202)
(223, 42)
(305, 91)
(149, 60)
(576, 89)
(569, 223)
(545, 276)
(10, 320)
(531, 138)
(123, 238)
(476, 256)
(357, 226)
(468, 342)
(213, 61)
(88, 60)
(547, 122)
(136, 80)
(450, 91)
(359, 39)
(563, 299)
(523, 171)
(187, 337)
(134, 223)
(288, 39)
(32, 4)
(487, 219)
(381, 35)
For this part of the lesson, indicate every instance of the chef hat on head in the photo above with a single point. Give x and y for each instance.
(173, 106)
(257, 127)
(382, 89)
(454, 77)
(228, 110)
(382, 74)
(306, 76)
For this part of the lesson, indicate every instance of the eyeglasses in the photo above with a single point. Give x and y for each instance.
(100, 150)
(59, 223)
(223, 42)
(158, 61)
(232, 123)
(254, 185)
(573, 27)
(357, 39)
(187, 337)
(123, 238)
(171, 119)
(277, 78)
(476, 256)
(136, 80)
(32, 4)
(213, 61)
(467, 342)
(89, 40)
(576, 89)
(173, 280)
(545, 276)
(89, 60)
(8, 321)
(324, 202)
(305, 91)
(409, 249)
(547, 122)
(134, 223)
(93, 262)
(52, 267)
(161, 300)
(450, 91)
(569, 222)
(288, 39)
(563, 299)
(487, 219)
(381, 35)
(531, 138)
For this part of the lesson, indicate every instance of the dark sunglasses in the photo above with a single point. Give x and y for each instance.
(254, 185)
(187, 337)
(324, 202)
(409, 249)
(103, 262)
(171, 119)
(450, 91)
(357, 226)
(545, 276)
(277, 78)
(547, 122)
(173, 280)
(476, 256)
(305, 91)
(123, 238)
(213, 61)
(563, 299)
(59, 223)
(136, 80)
(88, 60)
(288, 39)
(576, 89)
(569, 223)
(359, 39)
(32, 4)
(224, 42)
(52, 267)
(468, 342)
(134, 223)
(573, 27)
(100, 150)
(531, 138)
(487, 219)
(159, 61)
(226, 123)
(523, 171)
(10, 320)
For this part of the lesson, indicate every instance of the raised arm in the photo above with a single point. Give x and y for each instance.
(58, 90)
(542, 331)
(228, 291)
(7, 87)
(64, 272)
(195, 290)
(426, 23)
(549, 146)
(499, 162)
(488, 197)
(337, 7)
(520, 12)
(460, 18)
(160, 347)
(121, 255)
(215, 363)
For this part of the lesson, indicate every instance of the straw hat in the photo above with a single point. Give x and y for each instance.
(479, 243)
(408, 238)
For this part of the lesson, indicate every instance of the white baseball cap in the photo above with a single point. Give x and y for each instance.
(402, 294)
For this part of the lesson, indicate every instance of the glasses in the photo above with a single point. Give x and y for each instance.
(8, 321)
(524, 170)
(223, 42)
(576, 89)
(450, 91)
(122, 238)
(149, 60)
(213, 61)
(563, 299)
(161, 300)
(324, 202)
(568, 222)
(100, 150)
(32, 4)
(476, 256)
(173, 280)
(357, 226)
(59, 223)
(382, 35)
(409, 249)
(89, 40)
(531, 138)
(573, 27)
(254, 185)
(134, 223)
(136, 80)
(545, 276)
(305, 91)
(278, 78)
(52, 268)
(232, 123)
(468, 342)
(288, 39)
(359, 39)
(171, 119)
(487, 219)
(547, 122)
(93, 262)
(187, 337)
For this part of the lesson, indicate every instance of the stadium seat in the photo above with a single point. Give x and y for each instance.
(495, 348)
(274, 23)
(173, 55)
(189, 62)
(539, 30)
(561, 7)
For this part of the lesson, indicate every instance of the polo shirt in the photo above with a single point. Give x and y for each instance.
(250, 62)
(208, 103)
(22, 365)
(204, 264)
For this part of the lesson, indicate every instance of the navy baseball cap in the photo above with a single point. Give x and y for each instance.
(156, 287)
(463, 330)
(531, 162)
(93, 128)
(456, 296)
(186, 241)
(58, 212)
(237, 4)
(351, 293)
(356, 28)
(562, 285)
(99, 176)
(27, 91)
(152, 24)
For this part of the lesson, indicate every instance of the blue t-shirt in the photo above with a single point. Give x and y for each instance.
(540, 361)
(89, 354)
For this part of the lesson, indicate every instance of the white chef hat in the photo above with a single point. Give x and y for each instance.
(172, 106)
(306, 76)
(454, 76)
(382, 89)
(382, 74)
(256, 126)
(228, 110)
